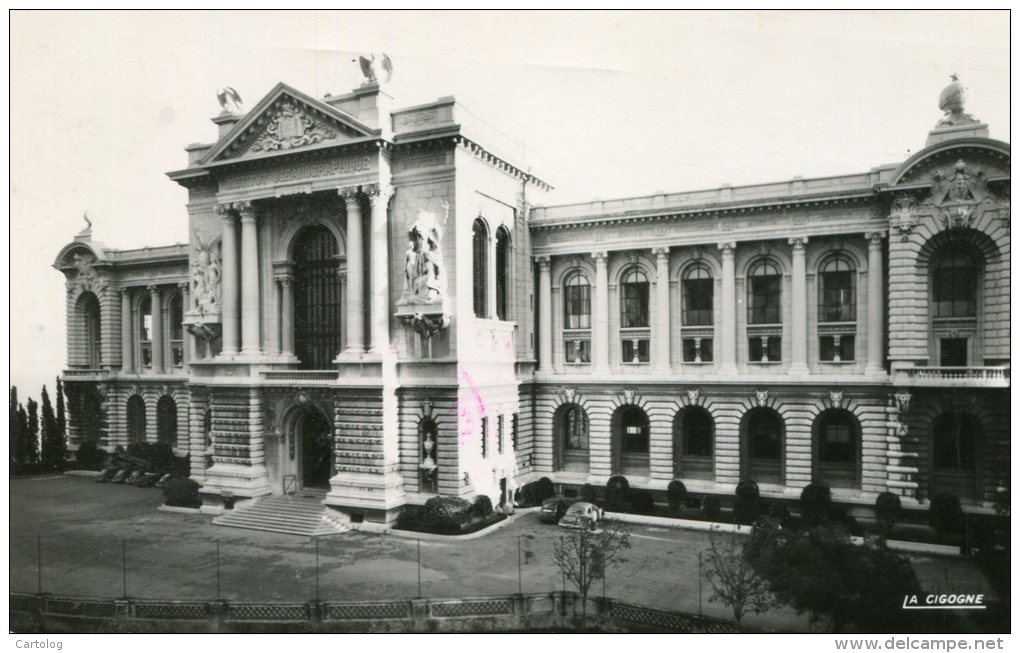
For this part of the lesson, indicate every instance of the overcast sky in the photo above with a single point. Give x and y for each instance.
(606, 105)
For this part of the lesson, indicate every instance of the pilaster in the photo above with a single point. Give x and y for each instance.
(798, 314)
(728, 346)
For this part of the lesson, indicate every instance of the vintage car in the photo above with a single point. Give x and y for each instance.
(582, 515)
(552, 509)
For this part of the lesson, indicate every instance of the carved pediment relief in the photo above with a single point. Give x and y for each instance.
(958, 183)
(85, 276)
(291, 127)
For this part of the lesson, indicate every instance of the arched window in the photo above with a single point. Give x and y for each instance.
(837, 449)
(428, 466)
(693, 444)
(480, 267)
(571, 439)
(630, 441)
(136, 420)
(145, 329)
(764, 312)
(954, 285)
(763, 445)
(634, 334)
(837, 290)
(91, 322)
(502, 274)
(176, 311)
(317, 302)
(698, 290)
(166, 420)
(576, 318)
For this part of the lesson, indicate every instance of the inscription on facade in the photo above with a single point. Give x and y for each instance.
(304, 172)
(416, 119)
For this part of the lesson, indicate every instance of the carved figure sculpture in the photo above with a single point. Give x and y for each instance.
(424, 270)
(373, 69)
(205, 278)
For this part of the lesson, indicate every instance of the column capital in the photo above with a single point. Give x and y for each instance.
(284, 279)
(661, 253)
(226, 212)
(183, 286)
(378, 193)
(874, 239)
(349, 194)
(246, 210)
(341, 274)
(728, 249)
(600, 257)
(153, 289)
(543, 262)
(125, 291)
(799, 243)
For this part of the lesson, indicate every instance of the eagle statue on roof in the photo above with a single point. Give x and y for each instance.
(376, 70)
(230, 100)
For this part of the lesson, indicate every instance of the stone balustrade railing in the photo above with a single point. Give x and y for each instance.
(300, 376)
(936, 375)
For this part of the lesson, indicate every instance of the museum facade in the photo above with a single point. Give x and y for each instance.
(376, 305)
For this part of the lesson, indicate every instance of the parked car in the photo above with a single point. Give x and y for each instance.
(553, 509)
(582, 515)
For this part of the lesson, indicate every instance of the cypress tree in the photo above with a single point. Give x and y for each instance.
(17, 435)
(32, 434)
(61, 412)
(22, 437)
(52, 443)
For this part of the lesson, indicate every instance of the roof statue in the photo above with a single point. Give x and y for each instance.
(951, 103)
(230, 100)
(376, 71)
(87, 231)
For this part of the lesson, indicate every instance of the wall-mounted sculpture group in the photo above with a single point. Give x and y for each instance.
(423, 305)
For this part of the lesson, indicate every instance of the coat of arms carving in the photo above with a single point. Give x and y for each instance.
(693, 394)
(761, 396)
(291, 128)
(569, 392)
(836, 396)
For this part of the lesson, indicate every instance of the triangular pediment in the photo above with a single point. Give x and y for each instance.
(287, 120)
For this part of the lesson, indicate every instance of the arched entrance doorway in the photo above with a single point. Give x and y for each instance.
(315, 436)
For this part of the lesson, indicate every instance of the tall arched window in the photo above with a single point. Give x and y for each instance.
(837, 309)
(698, 291)
(763, 445)
(166, 420)
(576, 318)
(634, 332)
(428, 465)
(145, 329)
(693, 444)
(88, 306)
(317, 302)
(764, 311)
(954, 454)
(136, 420)
(630, 441)
(955, 273)
(480, 267)
(502, 274)
(176, 312)
(571, 435)
(837, 449)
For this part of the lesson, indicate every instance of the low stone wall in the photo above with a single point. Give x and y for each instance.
(35, 613)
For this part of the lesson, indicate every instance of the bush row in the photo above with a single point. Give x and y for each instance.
(448, 515)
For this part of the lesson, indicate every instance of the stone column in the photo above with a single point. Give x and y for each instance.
(660, 335)
(379, 196)
(187, 340)
(728, 312)
(545, 336)
(127, 344)
(250, 315)
(876, 292)
(798, 313)
(228, 282)
(287, 314)
(600, 314)
(157, 329)
(355, 274)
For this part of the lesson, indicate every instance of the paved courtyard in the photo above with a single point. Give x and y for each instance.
(84, 527)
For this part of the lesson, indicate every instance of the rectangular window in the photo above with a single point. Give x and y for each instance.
(485, 437)
(697, 302)
(635, 350)
(635, 304)
(765, 349)
(577, 301)
(836, 348)
(839, 297)
(953, 291)
(764, 300)
(953, 352)
(499, 434)
(697, 350)
(513, 431)
(577, 351)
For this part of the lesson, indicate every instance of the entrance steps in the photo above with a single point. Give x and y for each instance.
(294, 515)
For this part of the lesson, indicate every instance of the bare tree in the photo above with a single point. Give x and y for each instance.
(585, 554)
(734, 581)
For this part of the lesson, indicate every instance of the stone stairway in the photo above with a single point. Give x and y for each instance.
(294, 515)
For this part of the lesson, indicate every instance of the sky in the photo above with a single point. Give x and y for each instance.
(604, 104)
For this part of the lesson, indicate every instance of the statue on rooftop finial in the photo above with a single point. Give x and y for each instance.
(230, 100)
(951, 103)
(376, 71)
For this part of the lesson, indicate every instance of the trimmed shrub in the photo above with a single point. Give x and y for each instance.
(617, 494)
(745, 504)
(676, 493)
(182, 492)
(945, 515)
(587, 493)
(182, 465)
(446, 514)
(158, 455)
(642, 503)
(887, 511)
(710, 508)
(780, 512)
(815, 503)
(534, 493)
(90, 456)
(481, 507)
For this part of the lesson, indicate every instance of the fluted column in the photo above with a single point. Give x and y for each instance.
(379, 196)
(545, 322)
(287, 314)
(876, 293)
(728, 312)
(355, 274)
(798, 312)
(228, 282)
(660, 337)
(600, 314)
(157, 329)
(127, 345)
(188, 340)
(250, 315)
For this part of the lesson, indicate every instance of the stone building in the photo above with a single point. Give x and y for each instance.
(376, 304)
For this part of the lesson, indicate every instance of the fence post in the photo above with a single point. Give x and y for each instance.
(520, 579)
(419, 569)
(123, 548)
(38, 563)
(699, 584)
(316, 569)
(217, 570)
